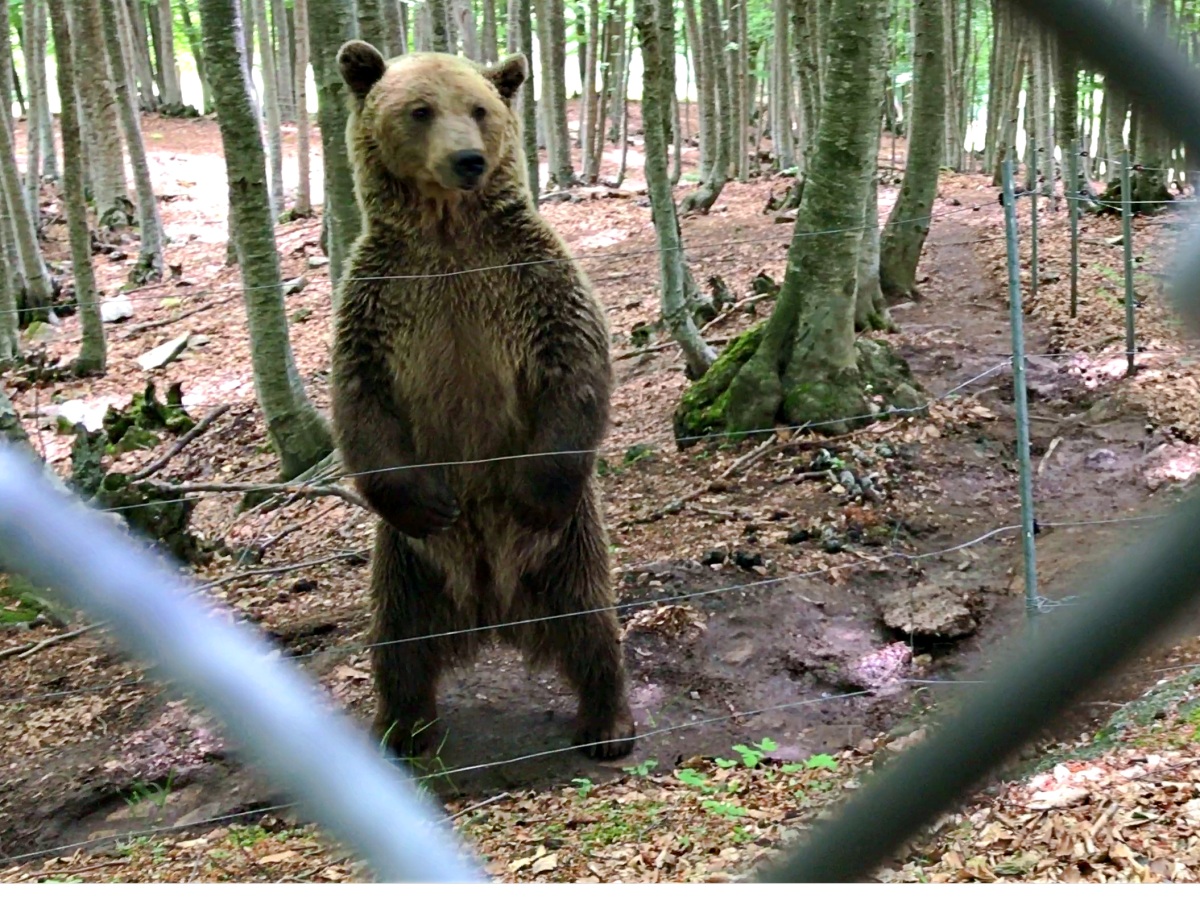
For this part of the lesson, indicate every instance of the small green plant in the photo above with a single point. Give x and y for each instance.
(722, 808)
(142, 792)
(247, 835)
(820, 761)
(741, 835)
(692, 778)
(583, 786)
(643, 768)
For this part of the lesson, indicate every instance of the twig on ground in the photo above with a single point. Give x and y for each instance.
(171, 320)
(679, 503)
(24, 652)
(474, 806)
(749, 459)
(194, 432)
(279, 570)
(730, 310)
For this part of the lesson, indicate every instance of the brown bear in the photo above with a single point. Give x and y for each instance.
(465, 333)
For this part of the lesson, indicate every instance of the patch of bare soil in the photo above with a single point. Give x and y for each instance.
(759, 595)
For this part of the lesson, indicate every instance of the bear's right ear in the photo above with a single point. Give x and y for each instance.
(362, 66)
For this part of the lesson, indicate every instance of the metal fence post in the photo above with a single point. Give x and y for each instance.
(1127, 242)
(326, 764)
(1025, 466)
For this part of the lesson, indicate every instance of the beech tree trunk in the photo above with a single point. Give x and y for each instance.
(270, 104)
(91, 358)
(803, 366)
(298, 432)
(675, 311)
(101, 123)
(172, 96)
(908, 224)
(303, 156)
(331, 24)
(150, 259)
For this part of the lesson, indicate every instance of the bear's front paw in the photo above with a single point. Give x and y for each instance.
(416, 502)
(606, 737)
(551, 490)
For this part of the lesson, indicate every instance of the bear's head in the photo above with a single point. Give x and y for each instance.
(436, 123)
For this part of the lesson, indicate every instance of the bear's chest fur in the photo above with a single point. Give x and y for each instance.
(459, 354)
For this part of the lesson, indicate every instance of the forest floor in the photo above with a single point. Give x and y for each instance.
(768, 604)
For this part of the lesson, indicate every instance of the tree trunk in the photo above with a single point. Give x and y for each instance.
(10, 342)
(608, 59)
(8, 72)
(270, 103)
(397, 40)
(870, 310)
(528, 105)
(35, 81)
(195, 44)
(330, 24)
(512, 29)
(624, 111)
(38, 289)
(781, 91)
(169, 75)
(564, 170)
(303, 158)
(808, 74)
(745, 93)
(702, 199)
(489, 44)
(803, 366)
(371, 27)
(150, 259)
(299, 434)
(282, 43)
(1007, 123)
(91, 359)
(587, 95)
(101, 123)
(1044, 124)
(439, 39)
(674, 306)
(137, 48)
(908, 224)
(705, 90)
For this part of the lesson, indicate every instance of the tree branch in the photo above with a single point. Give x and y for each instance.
(194, 432)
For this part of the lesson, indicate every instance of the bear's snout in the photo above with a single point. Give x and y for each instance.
(468, 167)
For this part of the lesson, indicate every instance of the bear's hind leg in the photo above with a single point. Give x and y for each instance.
(586, 647)
(407, 603)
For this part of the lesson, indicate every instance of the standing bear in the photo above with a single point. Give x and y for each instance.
(471, 381)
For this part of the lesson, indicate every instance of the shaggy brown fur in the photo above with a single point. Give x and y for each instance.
(506, 356)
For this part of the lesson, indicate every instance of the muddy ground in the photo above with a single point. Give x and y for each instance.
(83, 730)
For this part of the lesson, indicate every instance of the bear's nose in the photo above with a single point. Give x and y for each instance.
(468, 165)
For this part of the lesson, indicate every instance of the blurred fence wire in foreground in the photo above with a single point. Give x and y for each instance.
(325, 763)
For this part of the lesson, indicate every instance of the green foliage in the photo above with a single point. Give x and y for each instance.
(583, 786)
(643, 768)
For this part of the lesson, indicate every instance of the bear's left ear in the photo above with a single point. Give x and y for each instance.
(362, 66)
(508, 76)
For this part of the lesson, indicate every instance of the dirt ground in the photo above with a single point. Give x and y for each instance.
(752, 600)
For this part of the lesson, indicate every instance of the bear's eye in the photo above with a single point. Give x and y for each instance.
(479, 114)
(422, 113)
